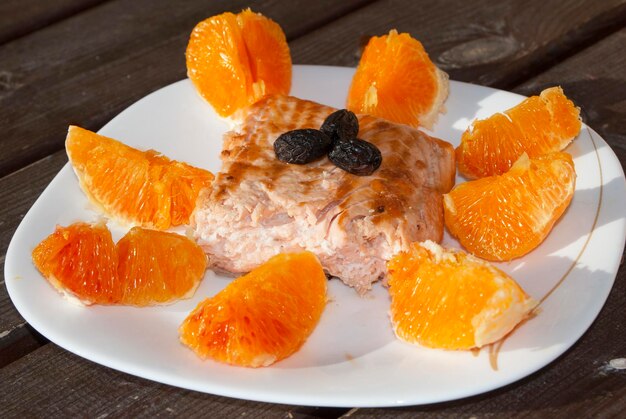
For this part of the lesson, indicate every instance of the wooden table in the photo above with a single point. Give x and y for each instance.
(84, 61)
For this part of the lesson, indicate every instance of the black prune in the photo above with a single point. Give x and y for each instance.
(301, 146)
(341, 125)
(356, 156)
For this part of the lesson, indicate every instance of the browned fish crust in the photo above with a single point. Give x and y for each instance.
(259, 206)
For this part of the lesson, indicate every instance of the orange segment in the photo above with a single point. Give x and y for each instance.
(539, 125)
(452, 300)
(396, 80)
(136, 187)
(158, 267)
(262, 317)
(268, 54)
(504, 217)
(217, 63)
(234, 60)
(81, 262)
(146, 267)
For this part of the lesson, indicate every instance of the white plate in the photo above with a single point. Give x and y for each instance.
(352, 358)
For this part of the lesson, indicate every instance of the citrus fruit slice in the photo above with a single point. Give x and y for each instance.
(268, 54)
(261, 317)
(504, 217)
(158, 267)
(397, 81)
(146, 267)
(539, 125)
(80, 261)
(234, 60)
(451, 300)
(136, 187)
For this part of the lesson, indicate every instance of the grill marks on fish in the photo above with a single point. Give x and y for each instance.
(259, 206)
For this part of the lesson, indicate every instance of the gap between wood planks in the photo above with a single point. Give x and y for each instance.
(329, 19)
(34, 21)
(46, 19)
(574, 44)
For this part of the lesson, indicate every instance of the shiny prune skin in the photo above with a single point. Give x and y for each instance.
(356, 156)
(301, 146)
(341, 125)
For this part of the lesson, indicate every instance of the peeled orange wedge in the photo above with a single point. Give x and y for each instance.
(451, 300)
(539, 125)
(146, 267)
(136, 187)
(504, 217)
(396, 80)
(234, 60)
(261, 317)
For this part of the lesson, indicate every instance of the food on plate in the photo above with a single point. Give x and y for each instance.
(136, 187)
(539, 125)
(335, 138)
(146, 267)
(262, 317)
(348, 152)
(158, 267)
(504, 217)
(81, 261)
(302, 146)
(234, 60)
(341, 125)
(396, 80)
(356, 156)
(259, 206)
(452, 300)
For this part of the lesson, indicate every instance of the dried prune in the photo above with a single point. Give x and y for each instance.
(341, 125)
(302, 146)
(356, 156)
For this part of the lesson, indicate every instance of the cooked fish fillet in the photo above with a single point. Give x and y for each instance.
(259, 206)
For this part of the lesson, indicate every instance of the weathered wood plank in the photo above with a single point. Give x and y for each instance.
(53, 382)
(18, 192)
(581, 383)
(20, 17)
(18, 341)
(484, 42)
(86, 69)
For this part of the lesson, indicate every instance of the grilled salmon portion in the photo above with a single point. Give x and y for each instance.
(259, 206)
